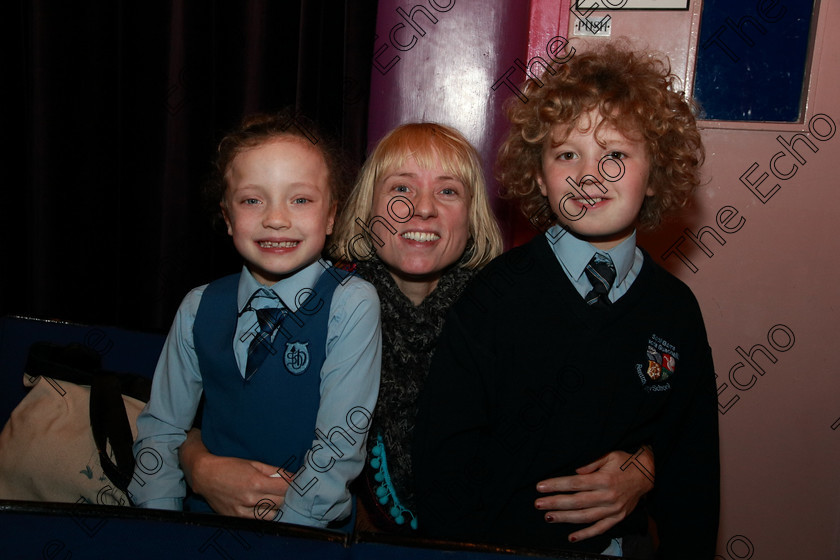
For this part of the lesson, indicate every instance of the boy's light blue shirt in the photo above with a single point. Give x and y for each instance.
(575, 253)
(349, 378)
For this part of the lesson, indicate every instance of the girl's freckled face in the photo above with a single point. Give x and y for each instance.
(278, 208)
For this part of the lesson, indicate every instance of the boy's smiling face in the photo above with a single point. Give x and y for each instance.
(277, 207)
(609, 173)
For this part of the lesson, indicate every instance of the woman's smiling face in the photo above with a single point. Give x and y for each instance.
(429, 209)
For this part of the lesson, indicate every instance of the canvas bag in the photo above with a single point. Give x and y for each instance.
(69, 439)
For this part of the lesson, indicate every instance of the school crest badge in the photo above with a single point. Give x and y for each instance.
(296, 357)
(660, 365)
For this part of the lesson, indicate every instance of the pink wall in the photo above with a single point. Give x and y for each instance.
(780, 453)
(780, 431)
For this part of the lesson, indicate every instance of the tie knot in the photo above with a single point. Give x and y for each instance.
(269, 318)
(601, 274)
(268, 308)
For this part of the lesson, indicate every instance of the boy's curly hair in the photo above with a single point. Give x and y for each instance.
(635, 93)
(257, 129)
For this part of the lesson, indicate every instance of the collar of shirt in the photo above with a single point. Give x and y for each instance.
(574, 254)
(291, 291)
(286, 290)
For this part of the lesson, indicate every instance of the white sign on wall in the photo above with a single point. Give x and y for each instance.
(632, 4)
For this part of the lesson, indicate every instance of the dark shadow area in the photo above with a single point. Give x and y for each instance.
(116, 111)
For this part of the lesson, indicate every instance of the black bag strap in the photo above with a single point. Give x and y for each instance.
(109, 423)
(108, 419)
(78, 364)
(74, 362)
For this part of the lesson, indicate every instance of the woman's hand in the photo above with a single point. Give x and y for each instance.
(232, 486)
(602, 493)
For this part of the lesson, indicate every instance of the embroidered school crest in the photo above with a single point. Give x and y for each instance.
(296, 357)
(660, 365)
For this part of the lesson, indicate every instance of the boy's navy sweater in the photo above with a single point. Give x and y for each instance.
(529, 383)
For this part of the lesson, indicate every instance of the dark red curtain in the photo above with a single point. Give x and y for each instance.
(117, 107)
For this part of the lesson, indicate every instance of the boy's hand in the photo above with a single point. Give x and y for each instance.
(232, 486)
(602, 493)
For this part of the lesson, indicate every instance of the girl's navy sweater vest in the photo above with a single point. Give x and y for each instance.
(271, 417)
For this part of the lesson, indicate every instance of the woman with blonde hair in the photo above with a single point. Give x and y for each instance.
(418, 225)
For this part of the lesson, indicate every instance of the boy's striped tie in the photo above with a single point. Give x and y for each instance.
(601, 274)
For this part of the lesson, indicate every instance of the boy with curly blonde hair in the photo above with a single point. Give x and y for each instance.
(577, 343)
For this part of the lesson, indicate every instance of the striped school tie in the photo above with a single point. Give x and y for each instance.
(269, 319)
(601, 274)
